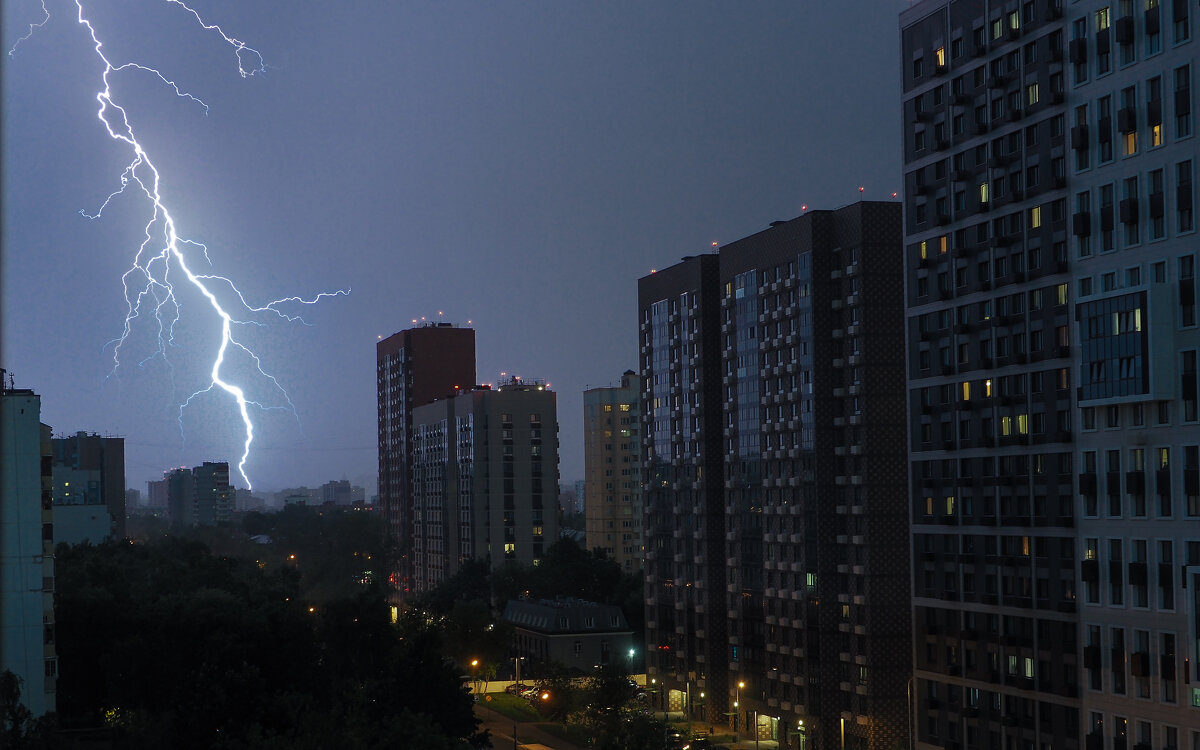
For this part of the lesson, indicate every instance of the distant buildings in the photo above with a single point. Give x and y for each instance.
(578, 634)
(89, 488)
(413, 367)
(200, 496)
(27, 549)
(612, 469)
(773, 444)
(484, 471)
(341, 492)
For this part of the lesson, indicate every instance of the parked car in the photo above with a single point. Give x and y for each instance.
(515, 688)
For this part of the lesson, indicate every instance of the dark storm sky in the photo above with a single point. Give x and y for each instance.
(515, 164)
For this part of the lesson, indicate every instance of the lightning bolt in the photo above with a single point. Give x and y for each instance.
(163, 255)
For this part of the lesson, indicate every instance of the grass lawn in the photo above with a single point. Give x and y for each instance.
(572, 733)
(512, 706)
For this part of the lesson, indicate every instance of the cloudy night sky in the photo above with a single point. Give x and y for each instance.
(514, 164)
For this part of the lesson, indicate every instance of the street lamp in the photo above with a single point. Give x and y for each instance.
(517, 666)
(631, 652)
(737, 716)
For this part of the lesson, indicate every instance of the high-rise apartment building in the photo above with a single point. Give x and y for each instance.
(89, 488)
(1049, 159)
(484, 468)
(212, 501)
(200, 496)
(27, 549)
(1133, 247)
(990, 375)
(413, 367)
(777, 597)
(612, 459)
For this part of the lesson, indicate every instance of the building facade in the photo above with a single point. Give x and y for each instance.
(27, 549)
(89, 488)
(1049, 158)
(484, 468)
(200, 496)
(577, 634)
(612, 459)
(990, 375)
(1133, 246)
(774, 479)
(413, 367)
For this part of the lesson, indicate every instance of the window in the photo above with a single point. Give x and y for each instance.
(1031, 94)
(1183, 196)
(917, 64)
(1183, 104)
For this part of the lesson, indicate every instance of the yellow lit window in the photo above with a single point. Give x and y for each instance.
(983, 192)
(924, 251)
(929, 506)
(1164, 457)
(943, 244)
(997, 28)
(1023, 424)
(966, 390)
(1102, 19)
(1025, 546)
(608, 407)
(1035, 217)
(939, 56)
(987, 388)
(1137, 319)
(1031, 93)
(729, 289)
(1006, 426)
(624, 407)
(1130, 143)
(950, 505)
(1060, 294)
(1156, 136)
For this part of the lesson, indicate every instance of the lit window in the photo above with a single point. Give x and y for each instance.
(924, 254)
(1102, 19)
(1023, 424)
(1060, 294)
(1014, 20)
(983, 192)
(1006, 426)
(966, 390)
(1031, 93)
(1131, 143)
(1035, 217)
(950, 505)
(940, 56)
(987, 388)
(1156, 137)
(943, 244)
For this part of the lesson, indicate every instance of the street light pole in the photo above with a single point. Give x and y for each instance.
(737, 715)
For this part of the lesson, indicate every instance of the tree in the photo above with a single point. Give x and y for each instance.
(171, 646)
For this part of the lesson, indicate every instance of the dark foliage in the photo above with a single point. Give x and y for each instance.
(168, 645)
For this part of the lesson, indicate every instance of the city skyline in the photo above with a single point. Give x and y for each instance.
(510, 154)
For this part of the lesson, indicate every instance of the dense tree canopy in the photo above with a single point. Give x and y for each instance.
(171, 646)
